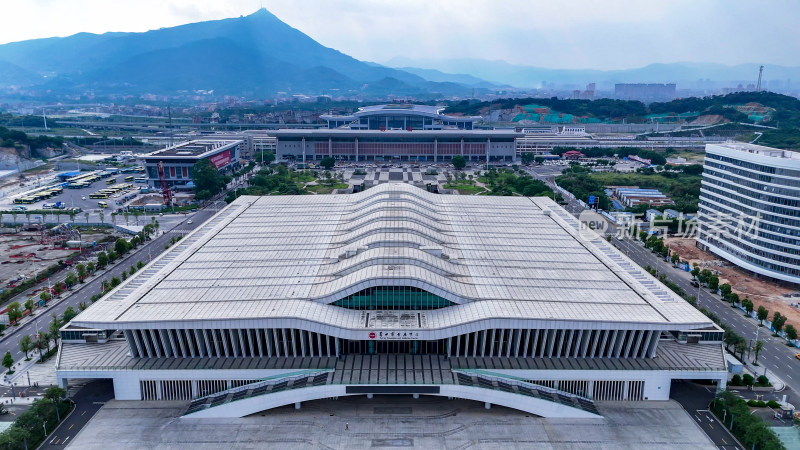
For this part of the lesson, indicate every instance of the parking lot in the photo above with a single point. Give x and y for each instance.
(79, 198)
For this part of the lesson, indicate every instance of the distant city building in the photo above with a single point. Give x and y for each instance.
(749, 211)
(178, 160)
(644, 91)
(634, 196)
(278, 300)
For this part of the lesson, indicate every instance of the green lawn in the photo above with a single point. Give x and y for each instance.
(465, 188)
(325, 188)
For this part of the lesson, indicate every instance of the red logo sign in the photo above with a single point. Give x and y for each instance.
(372, 335)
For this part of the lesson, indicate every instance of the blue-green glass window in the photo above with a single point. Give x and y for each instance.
(393, 297)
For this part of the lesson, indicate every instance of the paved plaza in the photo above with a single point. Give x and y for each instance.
(391, 421)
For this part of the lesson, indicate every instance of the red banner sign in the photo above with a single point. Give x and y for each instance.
(221, 159)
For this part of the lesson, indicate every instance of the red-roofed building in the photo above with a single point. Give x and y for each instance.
(572, 155)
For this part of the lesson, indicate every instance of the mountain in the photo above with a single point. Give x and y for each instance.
(685, 74)
(255, 54)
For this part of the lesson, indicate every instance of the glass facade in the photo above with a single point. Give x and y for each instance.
(393, 298)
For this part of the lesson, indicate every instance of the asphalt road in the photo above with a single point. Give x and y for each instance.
(695, 400)
(87, 402)
(84, 292)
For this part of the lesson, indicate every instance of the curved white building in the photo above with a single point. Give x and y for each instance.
(283, 299)
(749, 212)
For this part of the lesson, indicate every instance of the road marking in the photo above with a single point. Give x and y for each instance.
(65, 440)
(70, 427)
(51, 440)
(84, 412)
(698, 419)
(723, 440)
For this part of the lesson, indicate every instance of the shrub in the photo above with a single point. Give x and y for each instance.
(736, 380)
(762, 381)
(773, 404)
(747, 379)
(756, 403)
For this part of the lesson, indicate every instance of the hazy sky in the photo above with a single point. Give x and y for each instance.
(601, 34)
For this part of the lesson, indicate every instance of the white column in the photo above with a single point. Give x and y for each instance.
(214, 339)
(268, 337)
(156, 347)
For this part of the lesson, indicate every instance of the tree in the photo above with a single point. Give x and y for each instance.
(90, 267)
(757, 349)
(713, 282)
(733, 298)
(70, 280)
(207, 179)
(115, 282)
(791, 332)
(26, 345)
(8, 361)
(528, 158)
(695, 270)
(538, 159)
(675, 258)
(762, 314)
(29, 304)
(777, 321)
(55, 324)
(102, 260)
(102, 217)
(139, 265)
(327, 163)
(748, 305)
(14, 437)
(121, 246)
(81, 269)
(86, 216)
(725, 289)
(55, 394)
(45, 296)
(112, 256)
(69, 314)
(264, 157)
(14, 312)
(459, 162)
(42, 341)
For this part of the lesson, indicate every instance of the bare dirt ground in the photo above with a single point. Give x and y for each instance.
(761, 292)
(23, 253)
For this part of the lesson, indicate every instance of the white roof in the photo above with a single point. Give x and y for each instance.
(289, 257)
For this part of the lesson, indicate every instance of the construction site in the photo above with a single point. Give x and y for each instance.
(26, 251)
(762, 292)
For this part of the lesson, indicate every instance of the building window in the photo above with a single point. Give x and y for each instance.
(393, 298)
